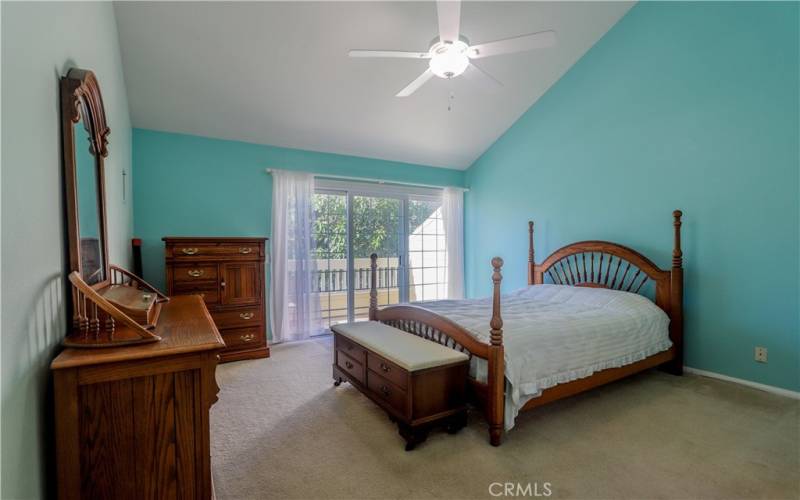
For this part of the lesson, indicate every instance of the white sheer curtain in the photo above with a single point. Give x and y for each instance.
(453, 215)
(295, 307)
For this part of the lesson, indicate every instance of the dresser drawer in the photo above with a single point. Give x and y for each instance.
(200, 251)
(387, 392)
(385, 368)
(187, 273)
(237, 317)
(352, 349)
(350, 365)
(208, 292)
(243, 337)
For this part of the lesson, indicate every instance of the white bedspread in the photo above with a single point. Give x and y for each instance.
(554, 334)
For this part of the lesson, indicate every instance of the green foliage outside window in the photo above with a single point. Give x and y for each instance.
(376, 224)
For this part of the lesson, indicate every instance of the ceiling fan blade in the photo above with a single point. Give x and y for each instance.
(476, 74)
(521, 43)
(449, 12)
(416, 84)
(389, 53)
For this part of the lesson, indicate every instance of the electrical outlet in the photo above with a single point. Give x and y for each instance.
(761, 354)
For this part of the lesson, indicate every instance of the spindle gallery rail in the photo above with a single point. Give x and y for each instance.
(597, 264)
(93, 315)
(94, 322)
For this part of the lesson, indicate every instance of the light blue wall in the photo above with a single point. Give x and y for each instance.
(681, 105)
(194, 186)
(40, 41)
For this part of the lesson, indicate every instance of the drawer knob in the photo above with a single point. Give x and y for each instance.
(247, 315)
(196, 273)
(189, 251)
(348, 364)
(245, 250)
(248, 338)
(385, 367)
(385, 391)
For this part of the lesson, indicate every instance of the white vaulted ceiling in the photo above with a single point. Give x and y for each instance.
(278, 73)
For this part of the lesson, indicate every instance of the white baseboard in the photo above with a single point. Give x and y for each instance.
(755, 385)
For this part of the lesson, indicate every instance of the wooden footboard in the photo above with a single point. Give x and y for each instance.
(596, 264)
(431, 326)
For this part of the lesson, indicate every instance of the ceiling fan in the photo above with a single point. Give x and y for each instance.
(450, 54)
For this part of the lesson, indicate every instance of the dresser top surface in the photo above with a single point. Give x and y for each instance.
(184, 326)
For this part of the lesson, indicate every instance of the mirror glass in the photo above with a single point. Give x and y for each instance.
(90, 224)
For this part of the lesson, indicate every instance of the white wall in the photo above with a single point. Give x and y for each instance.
(39, 42)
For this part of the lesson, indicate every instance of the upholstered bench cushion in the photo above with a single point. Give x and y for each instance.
(405, 349)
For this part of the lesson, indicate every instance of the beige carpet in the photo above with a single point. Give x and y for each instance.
(282, 430)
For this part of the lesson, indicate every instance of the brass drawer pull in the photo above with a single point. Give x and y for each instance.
(247, 315)
(385, 367)
(245, 250)
(385, 391)
(189, 251)
(248, 338)
(348, 364)
(196, 273)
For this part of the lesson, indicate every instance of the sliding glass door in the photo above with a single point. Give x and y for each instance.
(427, 257)
(376, 226)
(331, 279)
(403, 227)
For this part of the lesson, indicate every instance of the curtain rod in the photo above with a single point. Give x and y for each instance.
(380, 181)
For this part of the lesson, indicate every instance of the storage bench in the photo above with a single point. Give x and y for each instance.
(419, 383)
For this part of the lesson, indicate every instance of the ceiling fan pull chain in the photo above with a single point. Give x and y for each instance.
(450, 100)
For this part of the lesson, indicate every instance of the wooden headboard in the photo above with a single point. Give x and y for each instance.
(602, 264)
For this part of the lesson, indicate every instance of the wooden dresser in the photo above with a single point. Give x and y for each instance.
(228, 273)
(132, 422)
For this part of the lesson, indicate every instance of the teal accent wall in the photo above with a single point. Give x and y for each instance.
(680, 105)
(194, 186)
(88, 194)
(40, 41)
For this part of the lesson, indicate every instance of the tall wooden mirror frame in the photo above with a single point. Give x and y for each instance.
(99, 318)
(81, 98)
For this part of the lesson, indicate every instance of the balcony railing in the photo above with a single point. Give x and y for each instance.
(335, 280)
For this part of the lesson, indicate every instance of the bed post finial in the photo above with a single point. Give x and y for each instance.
(531, 261)
(497, 321)
(373, 286)
(675, 366)
(677, 254)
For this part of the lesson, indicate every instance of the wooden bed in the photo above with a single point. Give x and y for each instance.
(609, 265)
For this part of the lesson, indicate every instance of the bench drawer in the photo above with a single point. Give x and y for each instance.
(352, 349)
(351, 366)
(385, 368)
(387, 392)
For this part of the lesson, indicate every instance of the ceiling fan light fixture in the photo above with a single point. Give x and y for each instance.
(449, 59)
